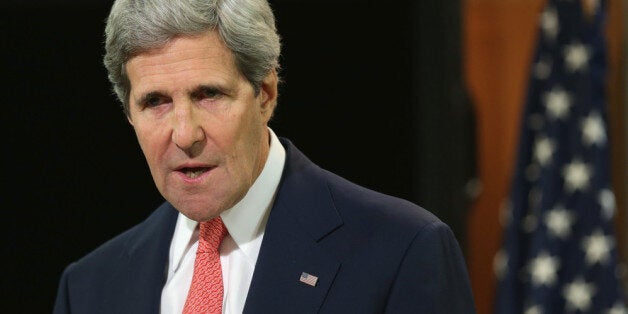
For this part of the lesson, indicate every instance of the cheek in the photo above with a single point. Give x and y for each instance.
(233, 133)
(152, 144)
(248, 134)
(241, 144)
(251, 136)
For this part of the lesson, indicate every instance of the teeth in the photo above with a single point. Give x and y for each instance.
(193, 174)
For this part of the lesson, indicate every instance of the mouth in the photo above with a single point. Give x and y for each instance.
(194, 172)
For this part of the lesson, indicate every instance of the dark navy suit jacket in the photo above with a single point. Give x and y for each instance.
(372, 253)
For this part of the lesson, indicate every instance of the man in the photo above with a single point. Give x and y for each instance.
(250, 224)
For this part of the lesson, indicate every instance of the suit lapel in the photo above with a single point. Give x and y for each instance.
(140, 279)
(302, 215)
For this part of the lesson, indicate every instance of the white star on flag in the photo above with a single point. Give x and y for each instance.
(500, 263)
(559, 221)
(607, 202)
(543, 68)
(543, 269)
(535, 309)
(618, 308)
(578, 295)
(549, 23)
(593, 131)
(576, 57)
(597, 247)
(557, 102)
(543, 150)
(577, 175)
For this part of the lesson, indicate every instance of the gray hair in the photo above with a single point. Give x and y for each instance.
(247, 28)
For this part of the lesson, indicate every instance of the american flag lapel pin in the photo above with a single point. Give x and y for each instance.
(308, 279)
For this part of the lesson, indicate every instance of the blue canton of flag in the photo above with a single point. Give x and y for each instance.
(559, 253)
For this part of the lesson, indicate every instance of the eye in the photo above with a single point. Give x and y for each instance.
(207, 93)
(153, 100)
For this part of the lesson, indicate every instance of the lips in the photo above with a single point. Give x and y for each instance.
(193, 172)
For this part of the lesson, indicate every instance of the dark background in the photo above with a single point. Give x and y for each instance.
(372, 91)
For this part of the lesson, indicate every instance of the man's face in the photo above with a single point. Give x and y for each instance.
(199, 122)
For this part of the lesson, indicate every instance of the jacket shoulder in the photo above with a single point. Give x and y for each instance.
(409, 252)
(123, 268)
(108, 253)
(357, 202)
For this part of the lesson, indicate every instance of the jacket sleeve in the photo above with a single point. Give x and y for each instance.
(432, 277)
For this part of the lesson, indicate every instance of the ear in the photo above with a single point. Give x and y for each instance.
(128, 118)
(268, 94)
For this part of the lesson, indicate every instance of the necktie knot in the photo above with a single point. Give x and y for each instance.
(211, 234)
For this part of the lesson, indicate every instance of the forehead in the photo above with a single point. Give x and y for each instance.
(183, 60)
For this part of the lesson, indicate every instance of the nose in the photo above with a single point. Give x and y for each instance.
(187, 133)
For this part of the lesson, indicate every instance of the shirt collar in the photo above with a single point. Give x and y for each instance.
(246, 221)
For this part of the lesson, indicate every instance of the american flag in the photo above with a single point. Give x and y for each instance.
(308, 279)
(559, 253)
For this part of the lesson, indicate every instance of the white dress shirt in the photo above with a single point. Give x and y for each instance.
(246, 222)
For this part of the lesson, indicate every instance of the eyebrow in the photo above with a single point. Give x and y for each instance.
(202, 87)
(212, 87)
(191, 93)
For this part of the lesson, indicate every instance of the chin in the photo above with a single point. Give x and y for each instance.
(200, 216)
(198, 212)
(205, 206)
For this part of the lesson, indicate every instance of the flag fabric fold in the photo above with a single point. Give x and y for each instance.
(559, 254)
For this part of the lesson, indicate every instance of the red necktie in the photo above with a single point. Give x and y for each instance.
(206, 291)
